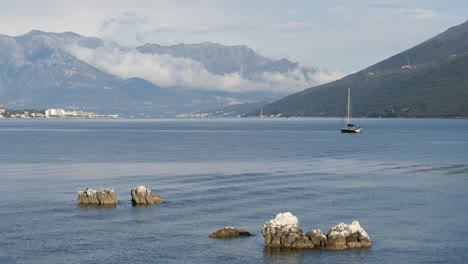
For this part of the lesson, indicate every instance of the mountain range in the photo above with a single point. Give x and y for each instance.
(220, 59)
(428, 80)
(67, 70)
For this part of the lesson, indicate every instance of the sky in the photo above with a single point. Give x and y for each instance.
(339, 35)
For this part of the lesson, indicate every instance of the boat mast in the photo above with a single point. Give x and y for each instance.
(349, 100)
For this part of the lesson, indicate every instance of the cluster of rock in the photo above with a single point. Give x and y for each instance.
(284, 231)
(229, 231)
(140, 195)
(101, 197)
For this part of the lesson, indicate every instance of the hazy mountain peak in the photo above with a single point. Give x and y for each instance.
(453, 41)
(217, 58)
(57, 40)
(59, 69)
(35, 32)
(428, 80)
(455, 30)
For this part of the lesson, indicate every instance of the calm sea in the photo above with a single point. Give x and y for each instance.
(406, 181)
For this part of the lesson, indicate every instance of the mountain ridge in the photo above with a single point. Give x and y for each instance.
(433, 84)
(239, 58)
(38, 70)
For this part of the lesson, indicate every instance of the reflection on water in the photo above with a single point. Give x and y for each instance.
(96, 207)
(293, 256)
(281, 255)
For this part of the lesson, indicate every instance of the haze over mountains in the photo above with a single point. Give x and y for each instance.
(66, 70)
(428, 80)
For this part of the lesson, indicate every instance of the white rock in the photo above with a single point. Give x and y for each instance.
(102, 197)
(344, 236)
(284, 231)
(141, 196)
(142, 189)
(286, 219)
(90, 192)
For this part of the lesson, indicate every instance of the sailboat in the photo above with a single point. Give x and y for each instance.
(350, 128)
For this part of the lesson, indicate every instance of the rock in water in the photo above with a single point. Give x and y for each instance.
(318, 238)
(343, 236)
(229, 231)
(284, 231)
(102, 197)
(141, 195)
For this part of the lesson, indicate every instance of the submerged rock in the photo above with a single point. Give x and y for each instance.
(284, 232)
(229, 231)
(142, 195)
(101, 197)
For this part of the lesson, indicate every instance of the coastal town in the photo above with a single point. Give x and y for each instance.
(51, 113)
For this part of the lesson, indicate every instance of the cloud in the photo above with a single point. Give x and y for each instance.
(274, 27)
(418, 13)
(293, 25)
(133, 28)
(129, 29)
(168, 71)
(325, 75)
(412, 13)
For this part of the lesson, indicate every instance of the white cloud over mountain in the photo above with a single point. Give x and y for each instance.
(330, 34)
(169, 71)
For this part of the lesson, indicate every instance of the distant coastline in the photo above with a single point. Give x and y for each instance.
(50, 113)
(77, 114)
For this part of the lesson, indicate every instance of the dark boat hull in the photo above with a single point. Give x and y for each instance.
(351, 130)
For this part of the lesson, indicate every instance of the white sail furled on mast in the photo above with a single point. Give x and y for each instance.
(350, 128)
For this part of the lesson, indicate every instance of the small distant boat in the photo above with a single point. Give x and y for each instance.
(350, 128)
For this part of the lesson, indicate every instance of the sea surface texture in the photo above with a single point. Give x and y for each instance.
(406, 181)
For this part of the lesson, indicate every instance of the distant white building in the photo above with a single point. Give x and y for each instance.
(55, 113)
(50, 113)
(63, 113)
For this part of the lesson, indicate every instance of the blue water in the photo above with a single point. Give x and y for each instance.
(406, 181)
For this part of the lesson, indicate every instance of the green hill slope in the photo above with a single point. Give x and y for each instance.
(433, 84)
